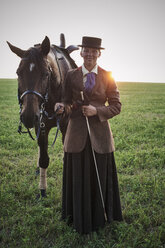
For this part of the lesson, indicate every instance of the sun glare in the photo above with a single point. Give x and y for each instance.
(111, 75)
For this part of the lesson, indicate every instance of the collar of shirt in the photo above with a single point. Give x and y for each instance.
(85, 71)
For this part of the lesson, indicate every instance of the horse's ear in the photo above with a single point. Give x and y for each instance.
(45, 46)
(19, 52)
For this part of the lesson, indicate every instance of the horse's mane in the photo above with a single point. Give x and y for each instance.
(66, 54)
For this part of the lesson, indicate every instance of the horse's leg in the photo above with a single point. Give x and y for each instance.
(43, 161)
(43, 181)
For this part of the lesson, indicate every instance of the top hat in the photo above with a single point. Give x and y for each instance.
(91, 42)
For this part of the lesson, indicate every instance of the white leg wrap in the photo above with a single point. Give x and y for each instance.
(43, 178)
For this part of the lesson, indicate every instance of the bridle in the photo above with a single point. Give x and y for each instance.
(43, 113)
(41, 124)
(31, 92)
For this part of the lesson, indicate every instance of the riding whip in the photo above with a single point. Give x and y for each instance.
(95, 162)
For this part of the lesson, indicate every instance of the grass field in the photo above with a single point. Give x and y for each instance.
(139, 133)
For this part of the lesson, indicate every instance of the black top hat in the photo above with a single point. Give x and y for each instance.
(91, 42)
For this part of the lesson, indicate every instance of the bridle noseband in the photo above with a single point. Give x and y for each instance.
(41, 124)
(31, 92)
(43, 113)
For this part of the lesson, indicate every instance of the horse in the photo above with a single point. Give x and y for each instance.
(41, 75)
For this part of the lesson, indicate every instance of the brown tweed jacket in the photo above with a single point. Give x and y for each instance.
(105, 97)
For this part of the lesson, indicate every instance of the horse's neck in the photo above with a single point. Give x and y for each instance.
(54, 66)
(60, 63)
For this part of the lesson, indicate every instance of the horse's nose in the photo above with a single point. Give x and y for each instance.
(29, 120)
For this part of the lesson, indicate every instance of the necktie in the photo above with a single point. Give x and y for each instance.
(90, 82)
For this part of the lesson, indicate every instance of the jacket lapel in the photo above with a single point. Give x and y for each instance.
(78, 78)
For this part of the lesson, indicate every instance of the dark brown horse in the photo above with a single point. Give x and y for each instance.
(41, 74)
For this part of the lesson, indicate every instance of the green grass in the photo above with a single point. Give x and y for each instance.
(139, 133)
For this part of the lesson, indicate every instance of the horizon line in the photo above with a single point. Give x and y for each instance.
(117, 81)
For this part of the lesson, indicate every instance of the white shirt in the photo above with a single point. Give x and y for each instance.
(85, 72)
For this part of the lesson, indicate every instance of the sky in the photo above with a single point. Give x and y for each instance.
(132, 33)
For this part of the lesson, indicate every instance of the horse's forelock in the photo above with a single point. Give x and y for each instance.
(33, 55)
(33, 59)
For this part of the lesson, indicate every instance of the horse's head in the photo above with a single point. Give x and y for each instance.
(33, 79)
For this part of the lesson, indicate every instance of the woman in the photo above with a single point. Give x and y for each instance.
(87, 90)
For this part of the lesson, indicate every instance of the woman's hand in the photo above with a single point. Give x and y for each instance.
(89, 110)
(59, 107)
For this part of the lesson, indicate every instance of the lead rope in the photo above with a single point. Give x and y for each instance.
(58, 118)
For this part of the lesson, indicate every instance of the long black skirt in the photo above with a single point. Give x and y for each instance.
(81, 200)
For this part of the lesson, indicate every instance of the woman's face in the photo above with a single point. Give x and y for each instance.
(90, 56)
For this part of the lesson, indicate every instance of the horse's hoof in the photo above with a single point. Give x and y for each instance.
(38, 196)
(43, 193)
